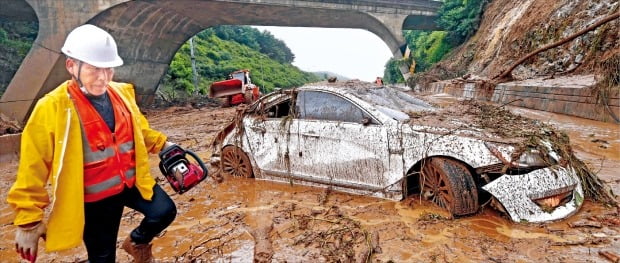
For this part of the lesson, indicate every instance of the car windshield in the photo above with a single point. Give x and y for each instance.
(391, 101)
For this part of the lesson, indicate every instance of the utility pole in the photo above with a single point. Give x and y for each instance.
(195, 76)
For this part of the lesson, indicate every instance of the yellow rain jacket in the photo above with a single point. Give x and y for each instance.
(51, 149)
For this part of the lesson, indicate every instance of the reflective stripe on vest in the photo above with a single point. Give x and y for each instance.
(94, 156)
(109, 183)
(109, 158)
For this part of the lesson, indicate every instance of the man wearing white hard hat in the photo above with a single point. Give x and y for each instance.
(89, 141)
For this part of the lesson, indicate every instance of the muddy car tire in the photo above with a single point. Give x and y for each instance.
(236, 163)
(449, 184)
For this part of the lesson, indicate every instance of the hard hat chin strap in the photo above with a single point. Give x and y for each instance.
(82, 88)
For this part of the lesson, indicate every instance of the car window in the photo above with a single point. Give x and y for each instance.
(279, 110)
(316, 105)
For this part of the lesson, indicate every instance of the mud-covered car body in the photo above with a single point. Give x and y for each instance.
(360, 140)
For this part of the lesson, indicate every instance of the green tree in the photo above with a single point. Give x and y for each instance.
(263, 42)
(459, 18)
(427, 48)
(392, 72)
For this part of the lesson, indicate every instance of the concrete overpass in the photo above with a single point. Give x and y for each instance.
(149, 32)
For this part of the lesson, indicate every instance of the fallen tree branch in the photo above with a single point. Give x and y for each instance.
(505, 73)
(504, 104)
(610, 256)
(587, 241)
(609, 110)
(164, 97)
(585, 224)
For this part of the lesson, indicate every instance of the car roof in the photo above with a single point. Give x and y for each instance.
(389, 100)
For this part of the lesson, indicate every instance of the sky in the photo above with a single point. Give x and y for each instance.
(353, 53)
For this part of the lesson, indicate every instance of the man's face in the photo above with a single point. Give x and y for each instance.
(94, 79)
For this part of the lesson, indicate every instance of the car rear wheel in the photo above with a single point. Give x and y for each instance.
(450, 185)
(236, 163)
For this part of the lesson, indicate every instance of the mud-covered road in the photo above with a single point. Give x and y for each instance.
(244, 220)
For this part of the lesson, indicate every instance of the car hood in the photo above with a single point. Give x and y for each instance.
(483, 121)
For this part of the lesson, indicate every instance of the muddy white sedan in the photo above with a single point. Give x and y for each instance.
(379, 141)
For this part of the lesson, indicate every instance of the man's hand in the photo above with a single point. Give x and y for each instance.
(27, 240)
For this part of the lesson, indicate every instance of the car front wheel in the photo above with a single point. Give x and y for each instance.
(450, 185)
(236, 163)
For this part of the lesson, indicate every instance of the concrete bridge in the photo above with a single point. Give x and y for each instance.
(149, 32)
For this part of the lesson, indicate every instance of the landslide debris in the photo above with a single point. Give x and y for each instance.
(511, 29)
(608, 69)
(336, 235)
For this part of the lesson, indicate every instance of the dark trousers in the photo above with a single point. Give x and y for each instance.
(103, 219)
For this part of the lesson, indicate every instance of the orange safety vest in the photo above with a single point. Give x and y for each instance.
(109, 157)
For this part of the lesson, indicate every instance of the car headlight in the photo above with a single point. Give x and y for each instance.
(525, 161)
(531, 158)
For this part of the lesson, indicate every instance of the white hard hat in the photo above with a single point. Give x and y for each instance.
(92, 45)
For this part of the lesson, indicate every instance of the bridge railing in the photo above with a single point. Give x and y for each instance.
(423, 5)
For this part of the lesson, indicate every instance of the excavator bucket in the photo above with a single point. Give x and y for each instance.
(225, 88)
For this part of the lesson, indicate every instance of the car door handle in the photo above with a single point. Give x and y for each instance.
(258, 129)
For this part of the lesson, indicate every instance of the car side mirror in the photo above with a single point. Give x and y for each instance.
(365, 121)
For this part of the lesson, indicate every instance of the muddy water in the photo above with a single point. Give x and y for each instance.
(236, 219)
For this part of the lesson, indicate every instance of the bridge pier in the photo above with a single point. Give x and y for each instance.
(394, 38)
(395, 24)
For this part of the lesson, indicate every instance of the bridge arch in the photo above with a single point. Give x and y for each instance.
(149, 33)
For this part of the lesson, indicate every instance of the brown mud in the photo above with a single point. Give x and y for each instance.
(246, 220)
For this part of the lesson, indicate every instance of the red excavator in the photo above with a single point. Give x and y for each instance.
(236, 89)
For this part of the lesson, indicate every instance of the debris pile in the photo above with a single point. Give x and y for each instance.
(335, 235)
(609, 84)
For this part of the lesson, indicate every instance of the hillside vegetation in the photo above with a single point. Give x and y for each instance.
(15, 40)
(221, 50)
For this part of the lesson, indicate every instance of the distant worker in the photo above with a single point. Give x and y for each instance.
(379, 81)
(88, 138)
